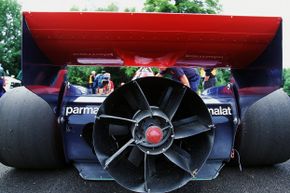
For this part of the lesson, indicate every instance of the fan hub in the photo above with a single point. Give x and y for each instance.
(154, 135)
(153, 132)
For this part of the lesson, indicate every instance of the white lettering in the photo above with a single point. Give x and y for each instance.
(68, 111)
(220, 111)
(76, 110)
(81, 110)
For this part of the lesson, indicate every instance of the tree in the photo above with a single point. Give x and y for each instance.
(130, 9)
(160, 6)
(111, 7)
(74, 8)
(223, 76)
(79, 75)
(183, 6)
(286, 80)
(10, 35)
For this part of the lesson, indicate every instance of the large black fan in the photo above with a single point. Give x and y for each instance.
(153, 135)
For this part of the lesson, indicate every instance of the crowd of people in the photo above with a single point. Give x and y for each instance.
(102, 84)
(191, 77)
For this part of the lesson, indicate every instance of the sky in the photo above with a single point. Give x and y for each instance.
(65, 5)
(230, 7)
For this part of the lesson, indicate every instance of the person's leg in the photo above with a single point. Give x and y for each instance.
(194, 84)
(210, 83)
(206, 84)
(90, 88)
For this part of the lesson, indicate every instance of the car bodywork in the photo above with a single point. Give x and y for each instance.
(249, 46)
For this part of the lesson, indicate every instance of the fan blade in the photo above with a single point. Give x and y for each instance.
(171, 101)
(189, 127)
(136, 156)
(115, 119)
(115, 155)
(115, 129)
(180, 157)
(149, 171)
(136, 98)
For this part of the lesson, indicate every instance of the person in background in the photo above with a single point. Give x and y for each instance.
(209, 79)
(187, 76)
(107, 85)
(98, 82)
(91, 82)
(1, 80)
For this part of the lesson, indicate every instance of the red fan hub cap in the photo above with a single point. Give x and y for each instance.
(154, 135)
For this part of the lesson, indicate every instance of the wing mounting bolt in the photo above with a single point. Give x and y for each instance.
(211, 126)
(236, 121)
(61, 120)
(194, 173)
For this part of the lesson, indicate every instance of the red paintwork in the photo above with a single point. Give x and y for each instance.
(154, 135)
(151, 39)
(39, 89)
(53, 89)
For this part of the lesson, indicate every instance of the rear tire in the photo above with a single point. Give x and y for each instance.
(29, 135)
(264, 138)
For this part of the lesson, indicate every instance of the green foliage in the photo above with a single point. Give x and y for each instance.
(10, 35)
(160, 6)
(286, 80)
(183, 6)
(74, 8)
(130, 9)
(111, 7)
(119, 75)
(223, 76)
(79, 75)
(129, 71)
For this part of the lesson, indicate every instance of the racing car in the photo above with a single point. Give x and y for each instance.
(147, 138)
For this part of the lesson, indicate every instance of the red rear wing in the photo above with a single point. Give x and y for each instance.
(150, 39)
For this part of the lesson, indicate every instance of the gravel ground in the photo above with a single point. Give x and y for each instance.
(274, 179)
